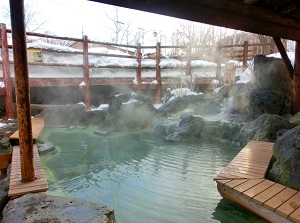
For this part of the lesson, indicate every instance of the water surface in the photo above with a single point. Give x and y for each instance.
(142, 177)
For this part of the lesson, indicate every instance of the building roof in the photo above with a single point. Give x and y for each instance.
(277, 18)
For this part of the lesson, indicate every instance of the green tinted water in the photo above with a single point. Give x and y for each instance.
(142, 177)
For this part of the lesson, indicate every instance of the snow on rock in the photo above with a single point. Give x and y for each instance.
(191, 93)
(216, 82)
(179, 92)
(2, 85)
(135, 82)
(131, 101)
(101, 107)
(81, 103)
(2, 124)
(154, 82)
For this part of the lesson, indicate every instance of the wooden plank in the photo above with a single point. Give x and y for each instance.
(37, 127)
(257, 189)
(280, 198)
(223, 181)
(289, 206)
(248, 204)
(295, 216)
(16, 187)
(235, 183)
(247, 185)
(269, 193)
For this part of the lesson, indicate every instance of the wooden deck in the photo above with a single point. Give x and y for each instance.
(243, 182)
(37, 127)
(16, 187)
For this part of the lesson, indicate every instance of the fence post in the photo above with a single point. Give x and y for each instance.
(139, 68)
(218, 61)
(245, 55)
(188, 60)
(9, 107)
(86, 71)
(22, 90)
(158, 73)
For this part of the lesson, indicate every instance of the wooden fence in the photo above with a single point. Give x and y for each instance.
(241, 52)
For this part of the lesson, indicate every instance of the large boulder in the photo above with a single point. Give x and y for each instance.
(286, 152)
(269, 92)
(130, 112)
(266, 127)
(268, 101)
(72, 115)
(64, 115)
(165, 127)
(189, 128)
(228, 132)
(271, 73)
(32, 208)
(173, 106)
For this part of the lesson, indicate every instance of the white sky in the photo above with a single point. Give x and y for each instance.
(69, 17)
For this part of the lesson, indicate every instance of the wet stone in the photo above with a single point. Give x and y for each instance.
(48, 208)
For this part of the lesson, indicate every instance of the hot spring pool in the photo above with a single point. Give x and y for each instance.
(142, 177)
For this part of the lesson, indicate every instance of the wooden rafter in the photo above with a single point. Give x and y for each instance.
(230, 14)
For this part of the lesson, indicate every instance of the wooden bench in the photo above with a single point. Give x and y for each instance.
(16, 187)
(37, 127)
(243, 182)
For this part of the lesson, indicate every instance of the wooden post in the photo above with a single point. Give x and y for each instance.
(86, 71)
(296, 80)
(284, 56)
(139, 68)
(22, 90)
(218, 62)
(9, 107)
(158, 73)
(188, 59)
(245, 55)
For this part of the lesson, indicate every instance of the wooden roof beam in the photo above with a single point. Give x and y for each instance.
(220, 13)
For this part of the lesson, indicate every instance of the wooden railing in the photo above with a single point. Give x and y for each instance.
(216, 54)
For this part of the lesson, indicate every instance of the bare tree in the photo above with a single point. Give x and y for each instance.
(121, 32)
(33, 21)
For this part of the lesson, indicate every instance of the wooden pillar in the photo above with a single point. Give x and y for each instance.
(284, 55)
(139, 68)
(86, 71)
(158, 73)
(188, 59)
(9, 106)
(296, 80)
(22, 90)
(245, 55)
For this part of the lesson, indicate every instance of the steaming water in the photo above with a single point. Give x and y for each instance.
(144, 179)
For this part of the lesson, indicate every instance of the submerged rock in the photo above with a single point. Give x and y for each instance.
(266, 127)
(49, 208)
(286, 152)
(130, 112)
(45, 148)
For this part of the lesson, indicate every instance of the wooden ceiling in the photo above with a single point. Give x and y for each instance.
(277, 18)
